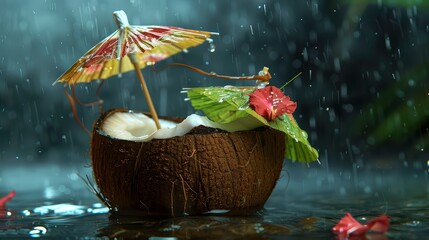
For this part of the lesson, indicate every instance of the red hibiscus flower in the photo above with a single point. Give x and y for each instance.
(270, 102)
(348, 226)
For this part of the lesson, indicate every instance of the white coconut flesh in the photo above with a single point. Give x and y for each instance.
(141, 128)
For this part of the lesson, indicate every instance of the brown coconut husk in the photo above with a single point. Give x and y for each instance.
(206, 169)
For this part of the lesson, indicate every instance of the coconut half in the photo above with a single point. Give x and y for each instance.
(188, 167)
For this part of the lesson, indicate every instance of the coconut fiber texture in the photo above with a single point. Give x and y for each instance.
(206, 169)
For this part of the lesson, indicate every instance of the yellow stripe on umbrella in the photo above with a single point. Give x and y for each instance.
(132, 48)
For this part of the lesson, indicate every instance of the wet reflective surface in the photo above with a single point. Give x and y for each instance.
(308, 207)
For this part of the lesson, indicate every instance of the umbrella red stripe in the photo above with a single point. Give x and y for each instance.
(135, 38)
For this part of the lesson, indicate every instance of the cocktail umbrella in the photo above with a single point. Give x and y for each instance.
(131, 48)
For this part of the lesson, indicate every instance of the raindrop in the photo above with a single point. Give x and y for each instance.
(212, 47)
(331, 116)
(343, 90)
(427, 163)
(337, 65)
(312, 122)
(251, 29)
(261, 84)
(244, 107)
(305, 54)
(387, 42)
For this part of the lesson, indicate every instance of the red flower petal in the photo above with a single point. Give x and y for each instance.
(270, 102)
(6, 199)
(348, 226)
(379, 224)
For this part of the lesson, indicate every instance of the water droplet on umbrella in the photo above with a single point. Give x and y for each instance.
(261, 84)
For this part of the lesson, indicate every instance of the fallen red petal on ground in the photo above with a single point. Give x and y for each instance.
(6, 199)
(349, 226)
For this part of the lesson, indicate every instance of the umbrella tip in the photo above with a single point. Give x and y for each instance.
(121, 18)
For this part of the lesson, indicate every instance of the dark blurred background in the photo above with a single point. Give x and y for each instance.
(362, 96)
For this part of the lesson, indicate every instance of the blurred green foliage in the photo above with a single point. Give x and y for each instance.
(401, 112)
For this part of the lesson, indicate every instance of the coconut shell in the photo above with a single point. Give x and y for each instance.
(206, 169)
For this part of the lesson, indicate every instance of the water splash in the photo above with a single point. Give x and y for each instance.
(38, 231)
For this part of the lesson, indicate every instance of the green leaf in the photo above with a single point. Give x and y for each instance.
(230, 104)
(297, 146)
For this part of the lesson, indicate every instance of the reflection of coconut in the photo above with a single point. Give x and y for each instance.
(205, 170)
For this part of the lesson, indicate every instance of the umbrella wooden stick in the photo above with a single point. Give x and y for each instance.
(146, 94)
(122, 22)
